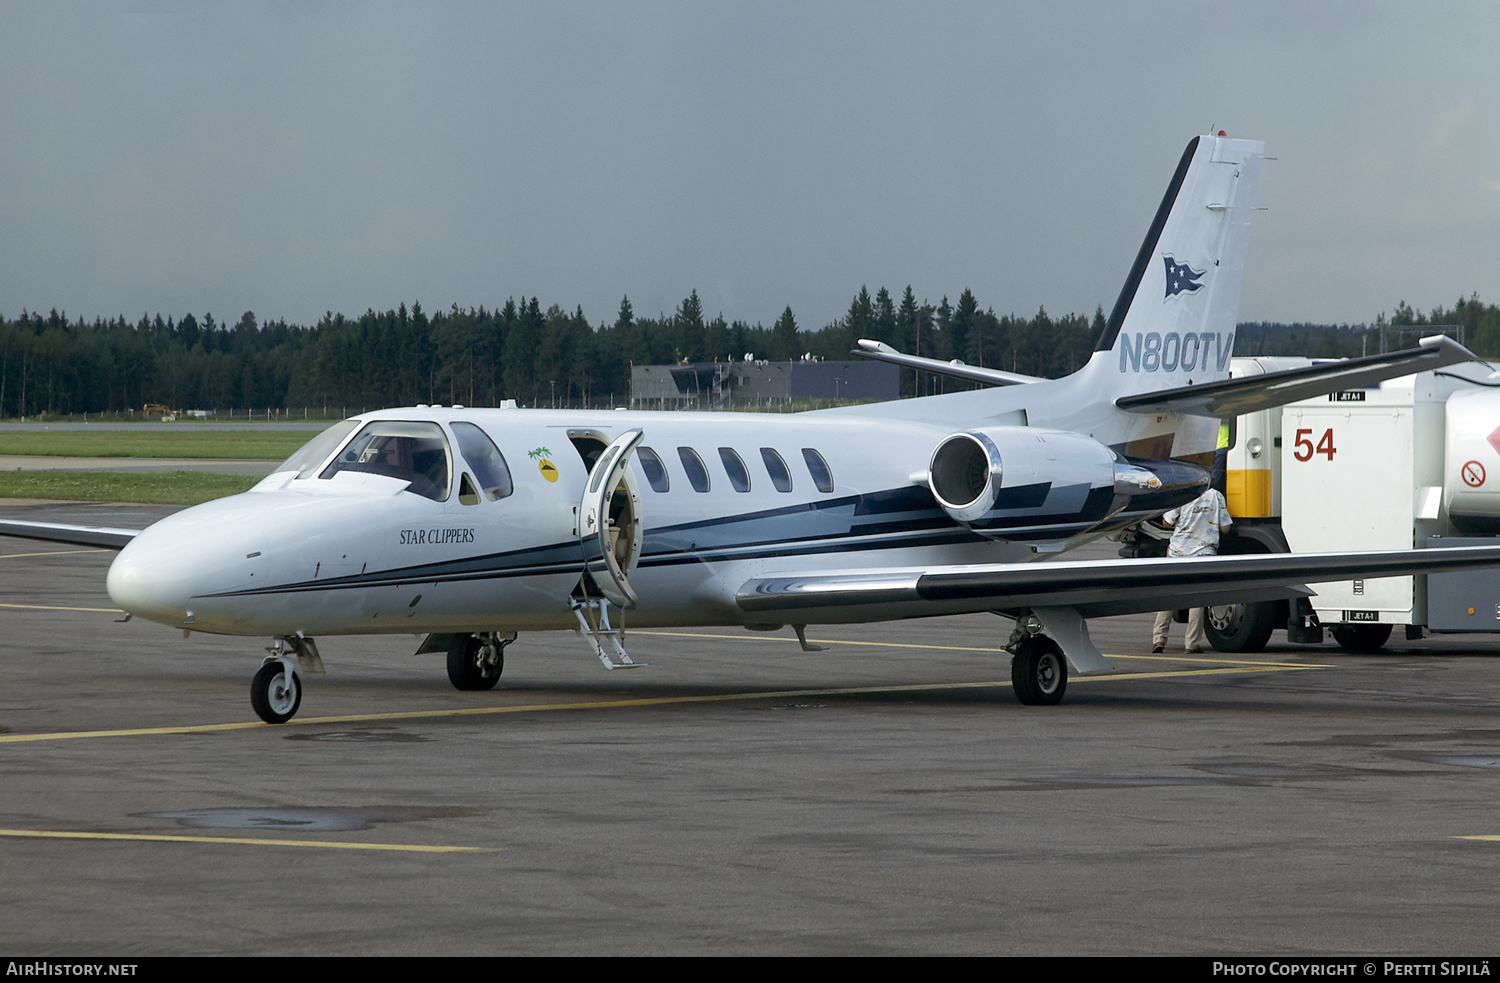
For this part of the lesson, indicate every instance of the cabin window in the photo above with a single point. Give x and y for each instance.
(416, 453)
(739, 475)
(818, 468)
(485, 460)
(651, 466)
(781, 477)
(316, 451)
(693, 464)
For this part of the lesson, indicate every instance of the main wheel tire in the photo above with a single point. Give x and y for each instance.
(274, 697)
(1240, 627)
(1039, 672)
(469, 668)
(1361, 638)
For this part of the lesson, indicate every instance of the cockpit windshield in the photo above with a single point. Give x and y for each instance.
(316, 451)
(414, 452)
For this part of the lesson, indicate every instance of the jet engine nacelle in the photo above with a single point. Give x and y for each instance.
(1004, 481)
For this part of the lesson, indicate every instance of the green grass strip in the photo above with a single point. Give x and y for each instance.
(156, 488)
(263, 445)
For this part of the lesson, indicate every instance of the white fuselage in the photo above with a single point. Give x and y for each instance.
(359, 553)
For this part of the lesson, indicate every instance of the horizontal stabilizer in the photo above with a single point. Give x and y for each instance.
(57, 532)
(955, 369)
(1233, 397)
(1095, 588)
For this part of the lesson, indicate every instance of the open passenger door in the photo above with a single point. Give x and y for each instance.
(609, 522)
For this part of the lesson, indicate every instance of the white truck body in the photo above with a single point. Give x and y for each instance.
(1409, 463)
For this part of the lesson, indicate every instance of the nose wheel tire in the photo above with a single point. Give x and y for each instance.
(1039, 672)
(275, 694)
(475, 664)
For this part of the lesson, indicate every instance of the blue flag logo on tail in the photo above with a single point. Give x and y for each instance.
(1181, 278)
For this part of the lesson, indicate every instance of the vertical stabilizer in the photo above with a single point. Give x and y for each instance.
(1172, 327)
(1174, 322)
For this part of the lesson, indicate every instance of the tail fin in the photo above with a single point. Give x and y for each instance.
(1174, 322)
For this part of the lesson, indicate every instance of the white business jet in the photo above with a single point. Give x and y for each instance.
(470, 525)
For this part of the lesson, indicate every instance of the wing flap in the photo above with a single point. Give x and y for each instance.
(1094, 588)
(1233, 397)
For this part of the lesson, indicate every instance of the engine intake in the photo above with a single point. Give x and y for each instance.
(1007, 478)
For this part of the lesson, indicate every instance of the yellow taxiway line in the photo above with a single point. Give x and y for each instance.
(989, 650)
(648, 701)
(53, 834)
(1216, 661)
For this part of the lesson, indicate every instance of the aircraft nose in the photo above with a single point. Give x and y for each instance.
(171, 572)
(146, 581)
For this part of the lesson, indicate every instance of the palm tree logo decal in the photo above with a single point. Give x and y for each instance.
(541, 455)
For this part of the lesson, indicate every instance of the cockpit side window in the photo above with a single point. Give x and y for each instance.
(414, 452)
(485, 460)
(316, 451)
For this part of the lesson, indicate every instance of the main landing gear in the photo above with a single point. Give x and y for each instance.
(1044, 642)
(1039, 671)
(475, 662)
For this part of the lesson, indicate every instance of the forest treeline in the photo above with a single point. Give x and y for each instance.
(478, 356)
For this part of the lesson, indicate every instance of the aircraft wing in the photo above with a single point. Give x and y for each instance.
(60, 533)
(1093, 588)
(881, 352)
(1233, 397)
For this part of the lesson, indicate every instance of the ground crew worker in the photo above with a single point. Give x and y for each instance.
(1196, 528)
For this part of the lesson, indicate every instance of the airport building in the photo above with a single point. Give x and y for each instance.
(724, 385)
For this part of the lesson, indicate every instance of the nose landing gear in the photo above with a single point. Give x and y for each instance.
(275, 692)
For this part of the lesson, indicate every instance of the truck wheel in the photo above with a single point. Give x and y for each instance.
(1240, 627)
(1361, 638)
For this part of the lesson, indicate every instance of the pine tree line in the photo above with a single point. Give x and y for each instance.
(479, 356)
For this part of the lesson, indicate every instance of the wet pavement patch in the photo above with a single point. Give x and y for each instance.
(378, 735)
(1234, 774)
(304, 817)
(1462, 760)
(1257, 769)
(1059, 784)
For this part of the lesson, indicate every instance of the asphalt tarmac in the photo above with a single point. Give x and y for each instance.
(737, 796)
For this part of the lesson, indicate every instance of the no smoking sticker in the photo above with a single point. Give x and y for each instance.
(1473, 474)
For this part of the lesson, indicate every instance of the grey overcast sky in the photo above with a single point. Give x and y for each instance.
(296, 158)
